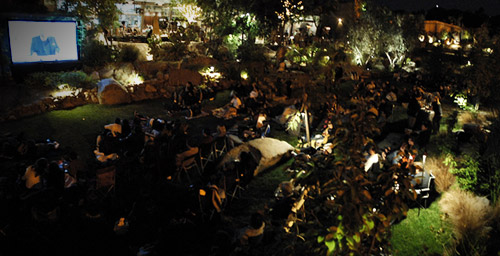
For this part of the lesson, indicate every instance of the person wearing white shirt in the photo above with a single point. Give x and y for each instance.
(372, 159)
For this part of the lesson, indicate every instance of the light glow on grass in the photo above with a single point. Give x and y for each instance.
(427, 234)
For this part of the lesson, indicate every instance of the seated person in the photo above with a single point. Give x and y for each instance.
(230, 110)
(285, 201)
(103, 158)
(115, 128)
(372, 164)
(190, 150)
(207, 136)
(396, 155)
(32, 177)
(327, 132)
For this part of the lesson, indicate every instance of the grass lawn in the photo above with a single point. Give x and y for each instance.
(78, 128)
(426, 234)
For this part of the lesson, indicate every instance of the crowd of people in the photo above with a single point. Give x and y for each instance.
(155, 180)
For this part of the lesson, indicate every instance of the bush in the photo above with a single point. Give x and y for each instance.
(466, 170)
(251, 52)
(51, 80)
(444, 178)
(95, 53)
(470, 216)
(129, 53)
(174, 51)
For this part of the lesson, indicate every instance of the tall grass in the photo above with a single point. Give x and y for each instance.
(444, 178)
(470, 217)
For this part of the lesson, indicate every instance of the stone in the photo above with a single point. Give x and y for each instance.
(106, 72)
(139, 94)
(111, 92)
(159, 75)
(95, 75)
(150, 88)
(182, 76)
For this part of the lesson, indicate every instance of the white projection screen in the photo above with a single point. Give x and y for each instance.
(43, 41)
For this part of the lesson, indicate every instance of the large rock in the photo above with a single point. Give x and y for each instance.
(265, 151)
(110, 91)
(182, 76)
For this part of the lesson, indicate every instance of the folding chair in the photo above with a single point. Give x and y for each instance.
(220, 146)
(237, 187)
(424, 189)
(206, 155)
(106, 179)
(211, 201)
(186, 165)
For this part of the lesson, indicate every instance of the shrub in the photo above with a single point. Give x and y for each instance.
(466, 170)
(173, 51)
(251, 52)
(129, 53)
(77, 79)
(51, 80)
(45, 80)
(95, 53)
(444, 178)
(470, 216)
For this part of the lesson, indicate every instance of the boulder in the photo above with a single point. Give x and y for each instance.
(150, 88)
(110, 92)
(106, 72)
(182, 76)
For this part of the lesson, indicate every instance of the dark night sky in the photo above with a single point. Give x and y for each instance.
(491, 7)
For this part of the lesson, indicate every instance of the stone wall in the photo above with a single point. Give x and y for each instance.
(158, 87)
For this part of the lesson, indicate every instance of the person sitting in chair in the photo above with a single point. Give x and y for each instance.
(115, 128)
(190, 151)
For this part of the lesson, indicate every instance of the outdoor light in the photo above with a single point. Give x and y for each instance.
(210, 73)
(244, 74)
(421, 38)
(64, 91)
(134, 79)
(340, 21)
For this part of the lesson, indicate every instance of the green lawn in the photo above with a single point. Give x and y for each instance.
(78, 128)
(426, 234)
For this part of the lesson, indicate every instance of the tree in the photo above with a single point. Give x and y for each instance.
(482, 75)
(379, 32)
(349, 212)
(105, 11)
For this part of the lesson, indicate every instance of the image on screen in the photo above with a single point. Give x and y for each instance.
(40, 41)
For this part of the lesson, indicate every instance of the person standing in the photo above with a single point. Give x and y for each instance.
(438, 114)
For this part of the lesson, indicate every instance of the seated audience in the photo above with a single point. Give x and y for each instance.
(115, 128)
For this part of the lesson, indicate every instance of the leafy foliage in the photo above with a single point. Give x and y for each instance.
(251, 52)
(170, 51)
(51, 80)
(128, 53)
(379, 32)
(95, 53)
(349, 212)
(466, 170)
